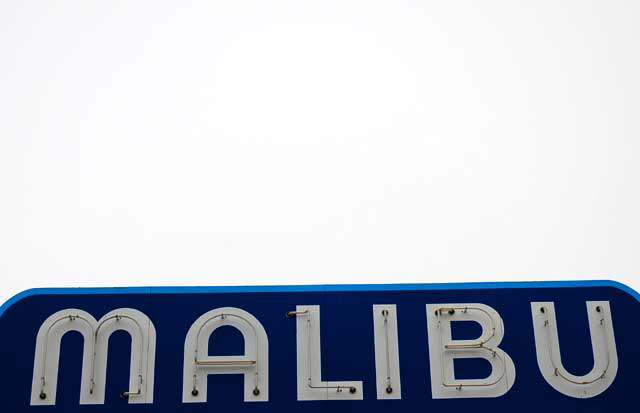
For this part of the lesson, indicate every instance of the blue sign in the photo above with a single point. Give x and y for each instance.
(526, 347)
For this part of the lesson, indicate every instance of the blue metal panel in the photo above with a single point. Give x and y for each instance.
(347, 345)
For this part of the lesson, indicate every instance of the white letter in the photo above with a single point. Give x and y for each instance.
(603, 343)
(385, 327)
(94, 360)
(443, 350)
(310, 384)
(253, 364)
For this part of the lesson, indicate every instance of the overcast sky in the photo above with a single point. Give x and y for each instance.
(336, 141)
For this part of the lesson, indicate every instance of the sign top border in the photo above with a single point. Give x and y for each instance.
(318, 288)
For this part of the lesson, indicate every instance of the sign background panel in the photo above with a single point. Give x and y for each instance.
(346, 340)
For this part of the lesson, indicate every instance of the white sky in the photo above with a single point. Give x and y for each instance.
(335, 141)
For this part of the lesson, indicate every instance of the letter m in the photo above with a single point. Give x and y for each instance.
(94, 355)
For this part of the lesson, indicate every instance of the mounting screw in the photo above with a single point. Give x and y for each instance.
(598, 309)
(194, 392)
(256, 391)
(352, 390)
(452, 311)
(43, 395)
(389, 389)
(542, 310)
(385, 312)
